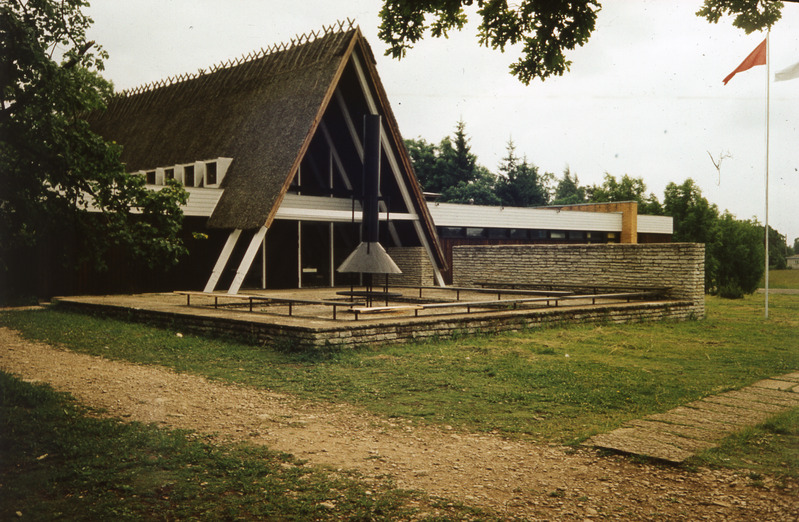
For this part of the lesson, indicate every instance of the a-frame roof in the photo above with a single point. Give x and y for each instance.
(263, 113)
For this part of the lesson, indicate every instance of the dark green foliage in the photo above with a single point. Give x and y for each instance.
(520, 184)
(738, 251)
(53, 168)
(568, 190)
(750, 15)
(628, 189)
(545, 29)
(451, 169)
(778, 250)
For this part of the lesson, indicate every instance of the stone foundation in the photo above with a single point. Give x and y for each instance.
(383, 331)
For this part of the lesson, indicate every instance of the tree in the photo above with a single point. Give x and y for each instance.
(450, 169)
(519, 183)
(749, 15)
(694, 216)
(423, 156)
(739, 255)
(568, 191)
(56, 175)
(545, 28)
(478, 191)
(456, 163)
(695, 221)
(777, 249)
(628, 189)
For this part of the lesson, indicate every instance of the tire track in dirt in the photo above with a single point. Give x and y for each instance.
(514, 478)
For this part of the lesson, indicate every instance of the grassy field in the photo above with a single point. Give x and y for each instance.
(782, 279)
(551, 385)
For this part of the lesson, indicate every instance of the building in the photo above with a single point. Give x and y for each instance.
(270, 148)
(459, 224)
(271, 151)
(792, 262)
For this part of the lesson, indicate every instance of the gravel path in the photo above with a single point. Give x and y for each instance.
(514, 478)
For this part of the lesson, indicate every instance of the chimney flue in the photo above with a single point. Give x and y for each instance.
(370, 256)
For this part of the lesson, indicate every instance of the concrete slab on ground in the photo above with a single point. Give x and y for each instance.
(680, 433)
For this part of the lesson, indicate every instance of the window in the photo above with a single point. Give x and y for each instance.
(169, 173)
(452, 231)
(475, 232)
(210, 173)
(575, 234)
(188, 175)
(518, 233)
(497, 233)
(150, 177)
(557, 235)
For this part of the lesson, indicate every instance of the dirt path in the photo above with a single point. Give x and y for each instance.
(512, 477)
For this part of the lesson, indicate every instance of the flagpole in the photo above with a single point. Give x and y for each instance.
(768, 96)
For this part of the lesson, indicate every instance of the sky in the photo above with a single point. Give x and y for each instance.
(643, 97)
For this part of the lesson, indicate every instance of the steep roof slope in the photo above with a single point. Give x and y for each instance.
(259, 113)
(262, 112)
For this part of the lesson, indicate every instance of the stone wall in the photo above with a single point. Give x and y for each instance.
(415, 265)
(679, 267)
(367, 332)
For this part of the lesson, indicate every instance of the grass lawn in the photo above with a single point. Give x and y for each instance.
(788, 278)
(549, 385)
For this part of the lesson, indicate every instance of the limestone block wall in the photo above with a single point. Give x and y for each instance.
(677, 266)
(415, 265)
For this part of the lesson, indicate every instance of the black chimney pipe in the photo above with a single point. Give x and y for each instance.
(369, 257)
(371, 178)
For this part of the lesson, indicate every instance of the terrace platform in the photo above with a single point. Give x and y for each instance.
(320, 317)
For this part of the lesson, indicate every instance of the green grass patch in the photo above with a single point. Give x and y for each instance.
(770, 448)
(550, 385)
(58, 462)
(787, 278)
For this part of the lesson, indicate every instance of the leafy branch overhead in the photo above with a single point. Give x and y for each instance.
(545, 29)
(53, 168)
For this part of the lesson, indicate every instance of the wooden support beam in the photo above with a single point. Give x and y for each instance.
(221, 262)
(247, 260)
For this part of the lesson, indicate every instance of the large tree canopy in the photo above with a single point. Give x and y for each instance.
(545, 28)
(56, 176)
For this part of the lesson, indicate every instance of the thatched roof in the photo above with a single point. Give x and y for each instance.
(261, 111)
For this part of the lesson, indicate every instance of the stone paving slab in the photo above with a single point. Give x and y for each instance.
(790, 377)
(693, 418)
(776, 384)
(743, 415)
(637, 446)
(769, 396)
(677, 429)
(743, 403)
(682, 432)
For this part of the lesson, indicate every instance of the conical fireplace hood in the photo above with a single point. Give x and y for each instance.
(370, 257)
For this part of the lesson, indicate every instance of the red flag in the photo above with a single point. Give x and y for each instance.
(757, 57)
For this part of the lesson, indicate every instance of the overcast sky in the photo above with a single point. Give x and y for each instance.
(644, 96)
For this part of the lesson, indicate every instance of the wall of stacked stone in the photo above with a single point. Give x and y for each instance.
(676, 266)
(351, 334)
(417, 270)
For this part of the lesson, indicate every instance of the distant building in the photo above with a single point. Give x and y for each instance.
(460, 224)
(793, 262)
